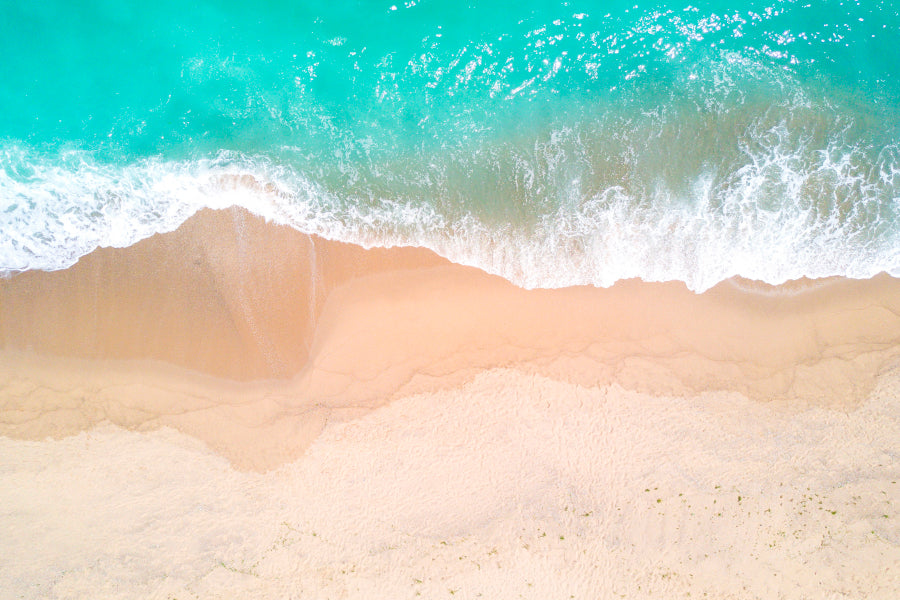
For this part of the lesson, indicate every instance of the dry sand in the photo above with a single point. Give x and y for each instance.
(435, 429)
(511, 486)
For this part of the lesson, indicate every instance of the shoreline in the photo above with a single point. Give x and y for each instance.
(445, 434)
(251, 336)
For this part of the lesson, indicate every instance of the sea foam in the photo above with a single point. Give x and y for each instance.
(785, 213)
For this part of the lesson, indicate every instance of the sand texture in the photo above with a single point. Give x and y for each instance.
(511, 486)
(250, 336)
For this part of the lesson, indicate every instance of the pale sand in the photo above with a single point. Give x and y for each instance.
(511, 486)
(442, 405)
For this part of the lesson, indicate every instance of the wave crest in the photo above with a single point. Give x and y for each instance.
(783, 207)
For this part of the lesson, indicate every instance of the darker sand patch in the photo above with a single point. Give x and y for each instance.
(250, 336)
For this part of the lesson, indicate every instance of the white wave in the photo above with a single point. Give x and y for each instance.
(55, 209)
(777, 218)
(780, 216)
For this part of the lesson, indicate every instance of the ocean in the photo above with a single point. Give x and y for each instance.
(552, 143)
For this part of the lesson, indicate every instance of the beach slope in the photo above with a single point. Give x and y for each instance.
(251, 336)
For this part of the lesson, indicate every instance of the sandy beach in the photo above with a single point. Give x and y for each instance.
(236, 409)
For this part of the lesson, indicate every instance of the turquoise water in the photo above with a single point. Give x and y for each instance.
(554, 143)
